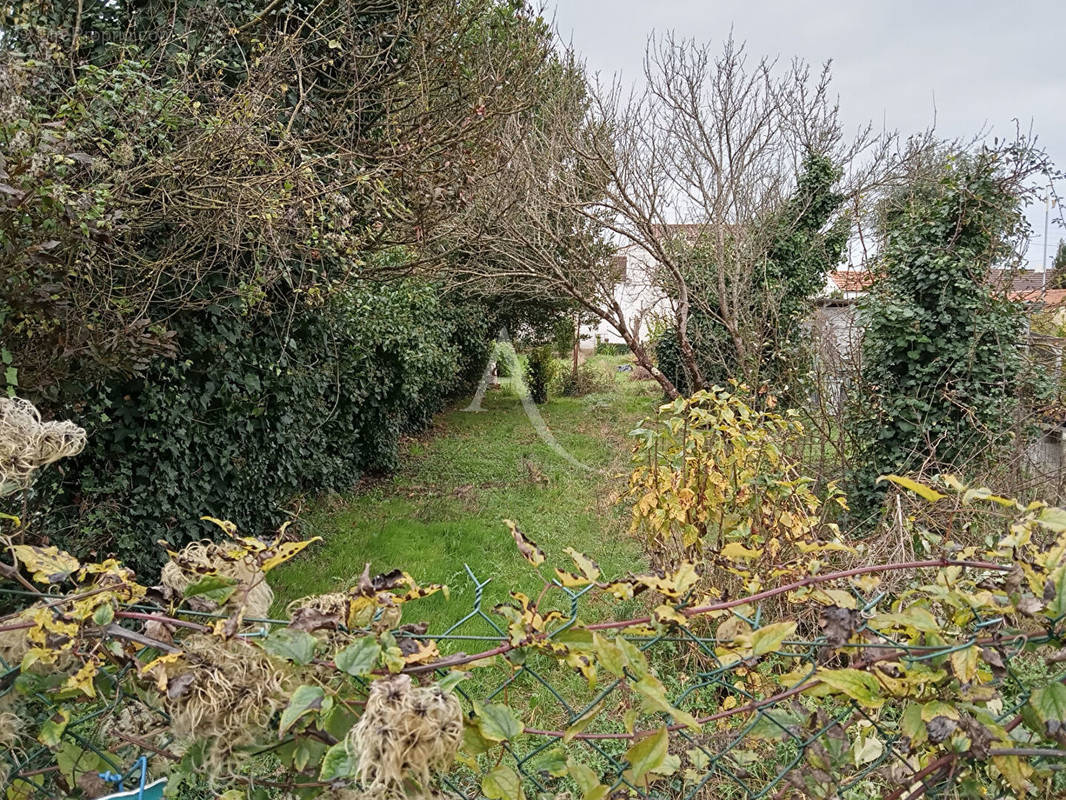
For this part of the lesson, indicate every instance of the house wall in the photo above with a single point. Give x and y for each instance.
(640, 299)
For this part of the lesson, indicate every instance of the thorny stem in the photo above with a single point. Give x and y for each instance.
(727, 604)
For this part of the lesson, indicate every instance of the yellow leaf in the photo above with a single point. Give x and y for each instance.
(424, 652)
(569, 579)
(42, 655)
(528, 548)
(964, 664)
(361, 611)
(920, 489)
(738, 551)
(283, 552)
(770, 637)
(1016, 772)
(589, 568)
(82, 680)
(46, 564)
(915, 618)
(856, 684)
(158, 666)
(669, 614)
(835, 597)
(938, 708)
(228, 527)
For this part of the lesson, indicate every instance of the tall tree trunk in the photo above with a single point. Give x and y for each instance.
(577, 342)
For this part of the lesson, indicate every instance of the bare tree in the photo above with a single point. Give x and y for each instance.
(705, 154)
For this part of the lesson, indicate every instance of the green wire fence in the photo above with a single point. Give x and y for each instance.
(758, 739)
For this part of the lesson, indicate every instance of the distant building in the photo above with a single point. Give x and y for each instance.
(637, 294)
(847, 283)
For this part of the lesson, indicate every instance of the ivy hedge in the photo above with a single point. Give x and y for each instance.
(255, 411)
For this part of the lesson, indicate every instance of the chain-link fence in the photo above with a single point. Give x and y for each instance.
(761, 732)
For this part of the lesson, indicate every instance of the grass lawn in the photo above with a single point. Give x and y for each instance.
(443, 509)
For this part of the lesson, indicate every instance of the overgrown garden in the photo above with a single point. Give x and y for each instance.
(255, 259)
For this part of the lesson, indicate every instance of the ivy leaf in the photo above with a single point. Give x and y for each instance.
(292, 645)
(337, 763)
(646, 755)
(217, 588)
(497, 723)
(502, 783)
(304, 699)
(360, 657)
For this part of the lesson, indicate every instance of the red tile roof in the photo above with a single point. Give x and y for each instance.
(1048, 297)
(852, 280)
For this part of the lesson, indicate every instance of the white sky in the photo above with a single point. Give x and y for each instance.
(971, 65)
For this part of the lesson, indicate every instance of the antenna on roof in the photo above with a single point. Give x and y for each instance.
(1047, 214)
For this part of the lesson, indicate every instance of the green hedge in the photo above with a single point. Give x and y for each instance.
(254, 412)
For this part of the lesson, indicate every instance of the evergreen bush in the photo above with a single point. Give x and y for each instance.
(540, 371)
(255, 412)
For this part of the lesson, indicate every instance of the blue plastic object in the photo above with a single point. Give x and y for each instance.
(144, 790)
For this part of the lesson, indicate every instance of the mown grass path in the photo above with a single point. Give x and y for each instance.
(444, 507)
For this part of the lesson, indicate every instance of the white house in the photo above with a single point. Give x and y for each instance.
(847, 284)
(636, 292)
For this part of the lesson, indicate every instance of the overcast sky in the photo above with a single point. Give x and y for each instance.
(970, 65)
